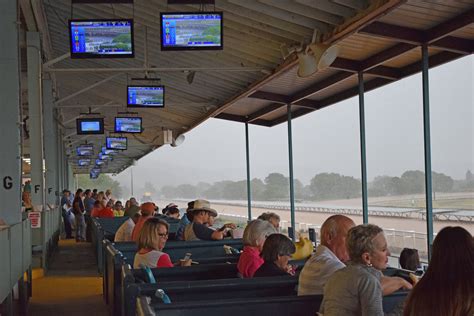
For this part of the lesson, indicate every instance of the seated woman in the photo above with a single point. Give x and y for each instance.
(409, 259)
(147, 210)
(357, 289)
(172, 211)
(447, 288)
(96, 209)
(276, 253)
(273, 218)
(151, 241)
(254, 238)
(106, 212)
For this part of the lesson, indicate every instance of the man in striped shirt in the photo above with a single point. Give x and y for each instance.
(329, 257)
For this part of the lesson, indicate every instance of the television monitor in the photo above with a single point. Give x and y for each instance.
(99, 162)
(128, 124)
(117, 143)
(86, 126)
(83, 162)
(101, 38)
(94, 173)
(85, 150)
(103, 156)
(109, 152)
(146, 96)
(191, 31)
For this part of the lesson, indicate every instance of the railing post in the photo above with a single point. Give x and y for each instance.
(427, 147)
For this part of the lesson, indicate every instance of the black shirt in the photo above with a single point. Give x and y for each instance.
(269, 269)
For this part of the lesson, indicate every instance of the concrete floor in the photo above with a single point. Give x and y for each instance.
(71, 286)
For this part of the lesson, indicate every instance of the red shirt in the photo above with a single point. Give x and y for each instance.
(138, 227)
(249, 261)
(106, 212)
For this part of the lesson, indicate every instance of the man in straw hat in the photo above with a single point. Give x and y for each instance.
(197, 230)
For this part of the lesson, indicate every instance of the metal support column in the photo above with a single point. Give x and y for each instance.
(247, 156)
(70, 177)
(427, 143)
(290, 164)
(10, 136)
(363, 159)
(35, 117)
(50, 144)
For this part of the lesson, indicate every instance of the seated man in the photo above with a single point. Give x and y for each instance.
(185, 221)
(329, 257)
(198, 230)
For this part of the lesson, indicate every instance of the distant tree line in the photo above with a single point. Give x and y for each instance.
(323, 186)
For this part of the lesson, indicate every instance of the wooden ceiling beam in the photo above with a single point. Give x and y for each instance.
(264, 111)
(269, 96)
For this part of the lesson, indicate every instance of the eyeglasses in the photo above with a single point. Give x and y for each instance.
(163, 235)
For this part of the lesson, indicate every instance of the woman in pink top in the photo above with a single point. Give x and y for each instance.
(254, 237)
(151, 241)
(146, 209)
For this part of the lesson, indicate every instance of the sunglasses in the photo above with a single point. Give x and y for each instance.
(163, 235)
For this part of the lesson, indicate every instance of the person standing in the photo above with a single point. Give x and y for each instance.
(78, 210)
(88, 206)
(66, 212)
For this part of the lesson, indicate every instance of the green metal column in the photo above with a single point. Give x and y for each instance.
(290, 163)
(363, 159)
(427, 142)
(247, 156)
(35, 113)
(50, 144)
(10, 122)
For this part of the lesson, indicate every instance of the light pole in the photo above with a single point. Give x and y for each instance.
(131, 179)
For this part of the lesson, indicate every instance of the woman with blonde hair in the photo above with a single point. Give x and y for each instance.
(447, 287)
(151, 241)
(357, 288)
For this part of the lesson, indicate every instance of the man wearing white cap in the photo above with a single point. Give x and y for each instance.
(197, 230)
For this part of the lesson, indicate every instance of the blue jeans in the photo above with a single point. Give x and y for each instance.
(80, 227)
(67, 224)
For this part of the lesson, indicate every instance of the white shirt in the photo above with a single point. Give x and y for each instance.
(317, 270)
(124, 233)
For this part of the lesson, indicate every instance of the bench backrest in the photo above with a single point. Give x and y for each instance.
(205, 290)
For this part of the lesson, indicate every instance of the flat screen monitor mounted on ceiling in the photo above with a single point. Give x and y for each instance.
(101, 38)
(191, 31)
(146, 96)
(85, 150)
(117, 143)
(128, 125)
(88, 126)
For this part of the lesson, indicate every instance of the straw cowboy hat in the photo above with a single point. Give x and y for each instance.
(203, 205)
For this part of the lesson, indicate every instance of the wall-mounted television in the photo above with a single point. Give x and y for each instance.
(99, 162)
(146, 96)
(128, 124)
(101, 38)
(86, 126)
(85, 150)
(83, 162)
(191, 31)
(117, 143)
(109, 152)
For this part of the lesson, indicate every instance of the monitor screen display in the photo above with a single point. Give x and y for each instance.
(128, 124)
(99, 162)
(83, 162)
(87, 126)
(85, 150)
(94, 174)
(101, 38)
(117, 143)
(103, 156)
(191, 30)
(146, 96)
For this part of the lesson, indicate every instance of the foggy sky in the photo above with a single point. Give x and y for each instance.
(328, 140)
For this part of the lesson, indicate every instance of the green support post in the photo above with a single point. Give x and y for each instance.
(363, 159)
(427, 147)
(290, 163)
(247, 155)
